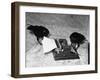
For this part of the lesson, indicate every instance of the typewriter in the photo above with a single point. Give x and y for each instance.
(64, 51)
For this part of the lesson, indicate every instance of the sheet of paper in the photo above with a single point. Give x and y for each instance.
(48, 44)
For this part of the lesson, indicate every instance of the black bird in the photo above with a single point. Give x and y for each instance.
(39, 32)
